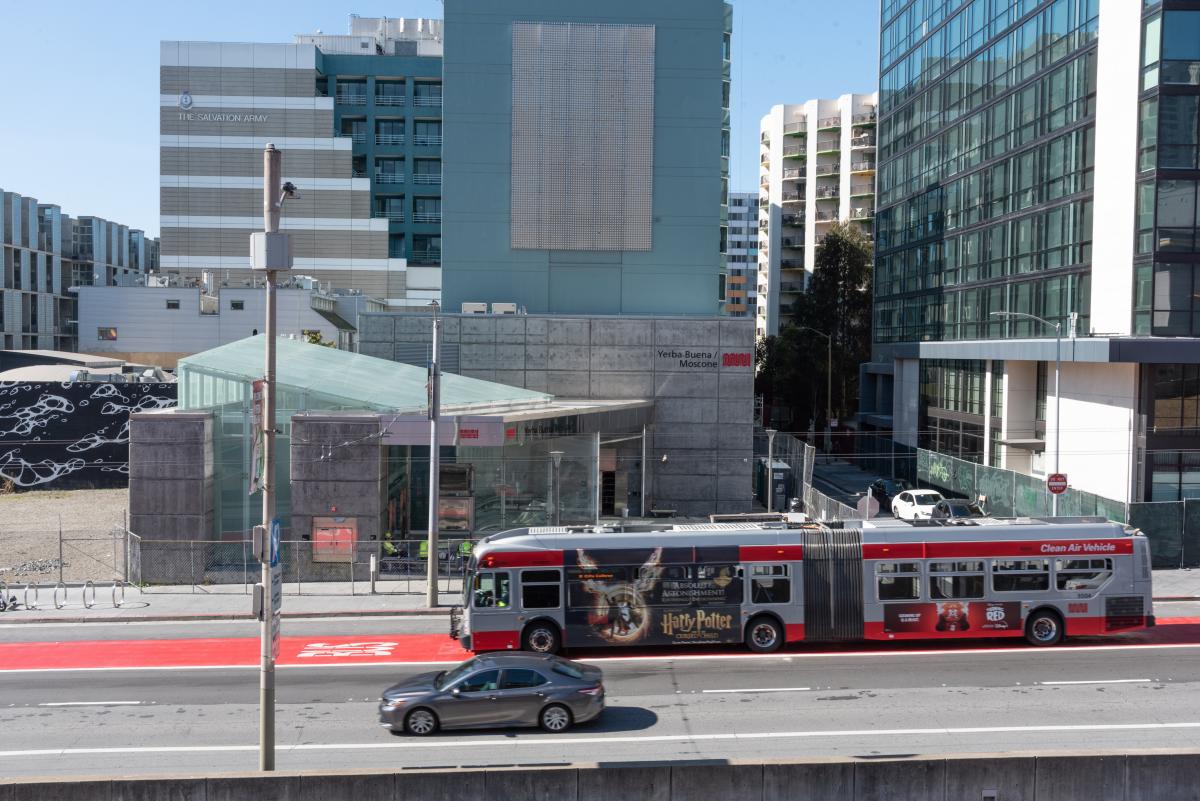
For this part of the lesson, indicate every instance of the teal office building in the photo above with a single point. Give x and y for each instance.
(586, 155)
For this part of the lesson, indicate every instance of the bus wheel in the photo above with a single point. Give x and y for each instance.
(1044, 628)
(541, 637)
(763, 635)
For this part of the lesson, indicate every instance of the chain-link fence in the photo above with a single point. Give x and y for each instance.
(799, 457)
(72, 556)
(163, 564)
(1173, 527)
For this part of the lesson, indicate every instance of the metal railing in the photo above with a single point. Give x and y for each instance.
(862, 166)
(427, 178)
(788, 196)
(795, 127)
(389, 139)
(389, 177)
(792, 220)
(829, 122)
(427, 217)
(791, 286)
(826, 216)
(862, 189)
(426, 140)
(389, 100)
(829, 145)
(791, 242)
(351, 98)
(862, 213)
(828, 193)
(793, 173)
(828, 169)
(791, 264)
(427, 101)
(862, 141)
(357, 137)
(427, 256)
(793, 151)
(864, 118)
(388, 214)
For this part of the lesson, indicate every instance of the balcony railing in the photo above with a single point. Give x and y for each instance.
(389, 139)
(828, 193)
(357, 137)
(389, 177)
(829, 145)
(389, 100)
(795, 128)
(861, 190)
(865, 118)
(793, 173)
(826, 216)
(427, 101)
(764, 138)
(425, 140)
(427, 178)
(358, 173)
(862, 141)
(792, 220)
(791, 196)
(389, 214)
(862, 213)
(828, 169)
(791, 264)
(826, 123)
(427, 217)
(431, 256)
(764, 159)
(791, 286)
(862, 166)
(351, 98)
(793, 242)
(794, 151)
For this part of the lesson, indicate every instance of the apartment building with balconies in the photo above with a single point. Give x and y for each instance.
(816, 167)
(741, 255)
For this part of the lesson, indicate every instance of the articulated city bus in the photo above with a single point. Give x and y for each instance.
(543, 589)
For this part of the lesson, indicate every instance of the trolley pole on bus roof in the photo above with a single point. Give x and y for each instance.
(431, 567)
(270, 252)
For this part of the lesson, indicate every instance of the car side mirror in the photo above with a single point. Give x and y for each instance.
(456, 692)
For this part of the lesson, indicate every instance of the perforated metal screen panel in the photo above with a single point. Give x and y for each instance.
(582, 136)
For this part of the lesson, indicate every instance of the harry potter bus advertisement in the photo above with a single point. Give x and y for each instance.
(653, 596)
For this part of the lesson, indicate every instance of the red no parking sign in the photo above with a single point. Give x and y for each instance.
(1057, 483)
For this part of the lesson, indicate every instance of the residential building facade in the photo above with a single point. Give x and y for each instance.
(1039, 160)
(358, 118)
(816, 168)
(741, 255)
(586, 155)
(45, 254)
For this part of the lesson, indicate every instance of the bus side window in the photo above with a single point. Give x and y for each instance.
(898, 581)
(491, 590)
(769, 584)
(541, 589)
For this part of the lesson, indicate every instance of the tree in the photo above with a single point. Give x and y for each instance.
(313, 337)
(791, 367)
(838, 302)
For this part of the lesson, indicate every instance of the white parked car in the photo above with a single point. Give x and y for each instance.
(915, 504)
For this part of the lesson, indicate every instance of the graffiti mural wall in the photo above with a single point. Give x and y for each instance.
(71, 435)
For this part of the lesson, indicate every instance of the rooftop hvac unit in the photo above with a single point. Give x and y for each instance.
(504, 308)
(474, 308)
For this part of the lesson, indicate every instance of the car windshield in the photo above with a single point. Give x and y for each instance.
(926, 498)
(960, 509)
(445, 679)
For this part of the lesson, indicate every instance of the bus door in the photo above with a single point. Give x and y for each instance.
(493, 619)
(542, 596)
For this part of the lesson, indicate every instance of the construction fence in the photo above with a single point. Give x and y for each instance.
(799, 457)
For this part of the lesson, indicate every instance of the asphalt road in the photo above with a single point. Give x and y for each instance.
(689, 707)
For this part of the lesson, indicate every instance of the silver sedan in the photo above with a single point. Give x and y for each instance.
(494, 691)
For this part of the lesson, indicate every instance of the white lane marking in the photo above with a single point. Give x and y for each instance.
(92, 703)
(1101, 681)
(553, 741)
(763, 690)
(1067, 649)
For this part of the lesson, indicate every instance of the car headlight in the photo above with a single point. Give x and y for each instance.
(394, 702)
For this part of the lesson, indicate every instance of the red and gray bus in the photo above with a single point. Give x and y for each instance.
(765, 585)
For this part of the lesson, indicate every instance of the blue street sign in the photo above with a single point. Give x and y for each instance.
(275, 534)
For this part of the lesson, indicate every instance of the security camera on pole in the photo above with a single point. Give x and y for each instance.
(271, 253)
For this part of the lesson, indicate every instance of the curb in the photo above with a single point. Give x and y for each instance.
(1178, 598)
(440, 612)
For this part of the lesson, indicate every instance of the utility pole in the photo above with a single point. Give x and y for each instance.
(270, 252)
(556, 491)
(435, 389)
(771, 469)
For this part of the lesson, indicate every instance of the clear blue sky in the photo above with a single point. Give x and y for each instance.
(80, 101)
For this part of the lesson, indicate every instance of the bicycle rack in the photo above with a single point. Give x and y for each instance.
(34, 605)
(89, 586)
(118, 585)
(57, 603)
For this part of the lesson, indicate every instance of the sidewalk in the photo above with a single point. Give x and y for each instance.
(843, 475)
(229, 602)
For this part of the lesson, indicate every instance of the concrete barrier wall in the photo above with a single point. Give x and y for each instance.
(1145, 776)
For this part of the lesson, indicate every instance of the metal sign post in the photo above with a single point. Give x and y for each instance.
(431, 568)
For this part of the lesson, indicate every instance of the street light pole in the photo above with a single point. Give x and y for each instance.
(1057, 393)
(272, 187)
(771, 469)
(431, 567)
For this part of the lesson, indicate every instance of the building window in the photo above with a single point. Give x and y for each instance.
(1181, 47)
(237, 305)
(173, 304)
(427, 248)
(1040, 395)
(396, 246)
(106, 334)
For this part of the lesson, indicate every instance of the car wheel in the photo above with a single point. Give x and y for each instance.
(541, 637)
(1044, 628)
(763, 635)
(555, 718)
(421, 722)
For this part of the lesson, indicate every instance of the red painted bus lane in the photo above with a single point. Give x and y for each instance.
(242, 652)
